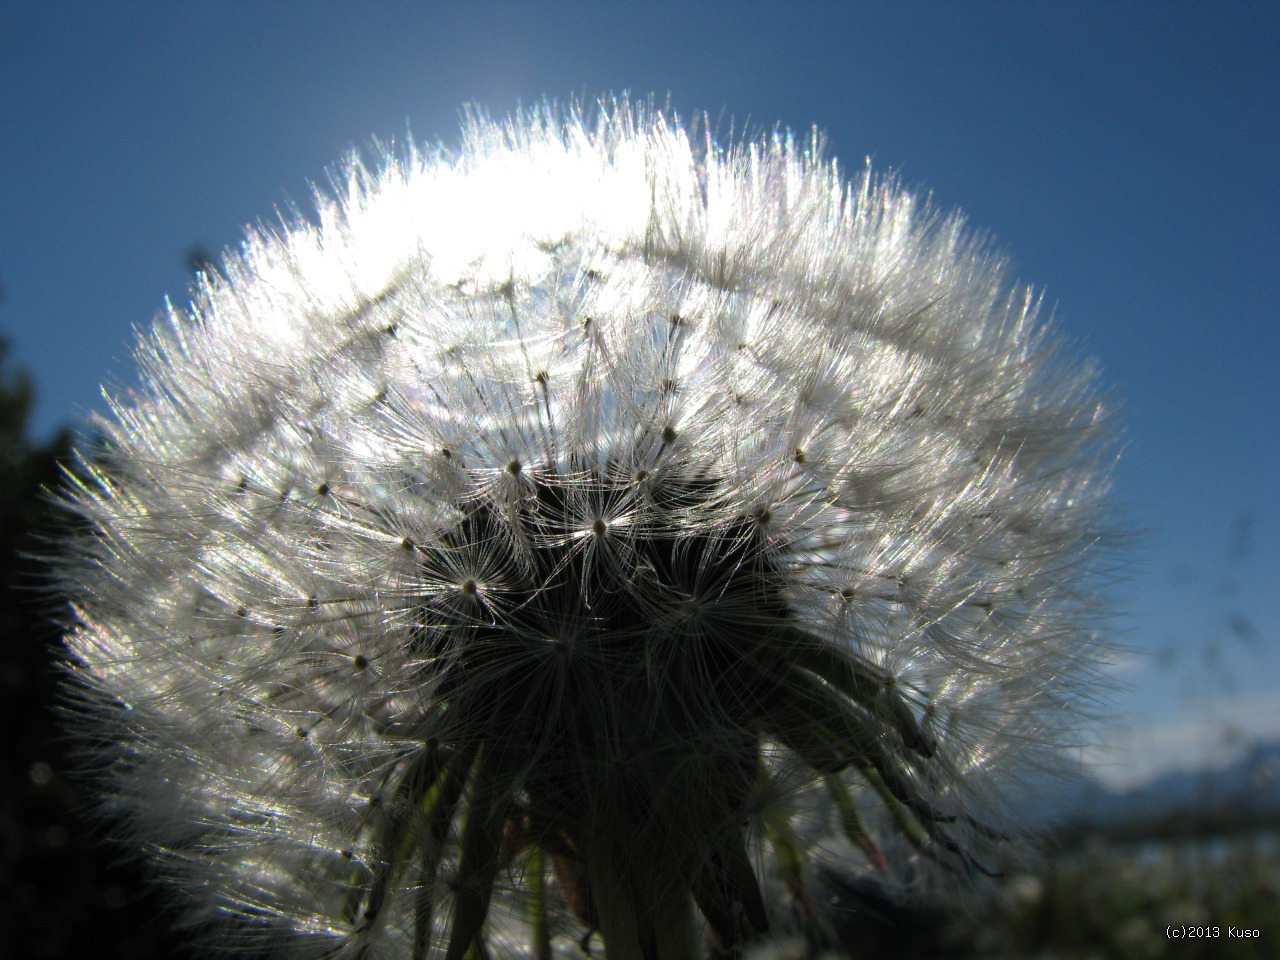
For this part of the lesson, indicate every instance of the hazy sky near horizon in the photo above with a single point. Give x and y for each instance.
(1123, 154)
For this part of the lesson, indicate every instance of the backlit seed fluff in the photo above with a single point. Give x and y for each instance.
(586, 532)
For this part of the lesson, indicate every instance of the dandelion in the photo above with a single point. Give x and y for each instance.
(577, 536)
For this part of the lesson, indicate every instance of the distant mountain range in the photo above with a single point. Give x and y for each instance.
(1247, 790)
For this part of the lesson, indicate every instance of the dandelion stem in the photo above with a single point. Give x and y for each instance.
(487, 803)
(535, 873)
(870, 687)
(851, 822)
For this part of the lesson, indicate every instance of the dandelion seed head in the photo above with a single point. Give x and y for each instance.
(582, 529)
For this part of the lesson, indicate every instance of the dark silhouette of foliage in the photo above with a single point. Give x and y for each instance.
(62, 891)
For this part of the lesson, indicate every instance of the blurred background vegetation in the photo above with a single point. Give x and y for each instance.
(1105, 889)
(63, 893)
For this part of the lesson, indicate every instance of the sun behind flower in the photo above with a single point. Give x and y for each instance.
(566, 534)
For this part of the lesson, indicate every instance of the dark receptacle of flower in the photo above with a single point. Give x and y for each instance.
(690, 640)
(631, 677)
(573, 540)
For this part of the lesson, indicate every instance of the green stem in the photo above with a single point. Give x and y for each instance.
(535, 875)
(643, 915)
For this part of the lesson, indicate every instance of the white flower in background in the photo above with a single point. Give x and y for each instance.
(562, 533)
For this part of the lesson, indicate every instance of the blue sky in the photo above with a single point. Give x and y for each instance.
(1124, 154)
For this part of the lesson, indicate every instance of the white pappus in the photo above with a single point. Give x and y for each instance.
(577, 534)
